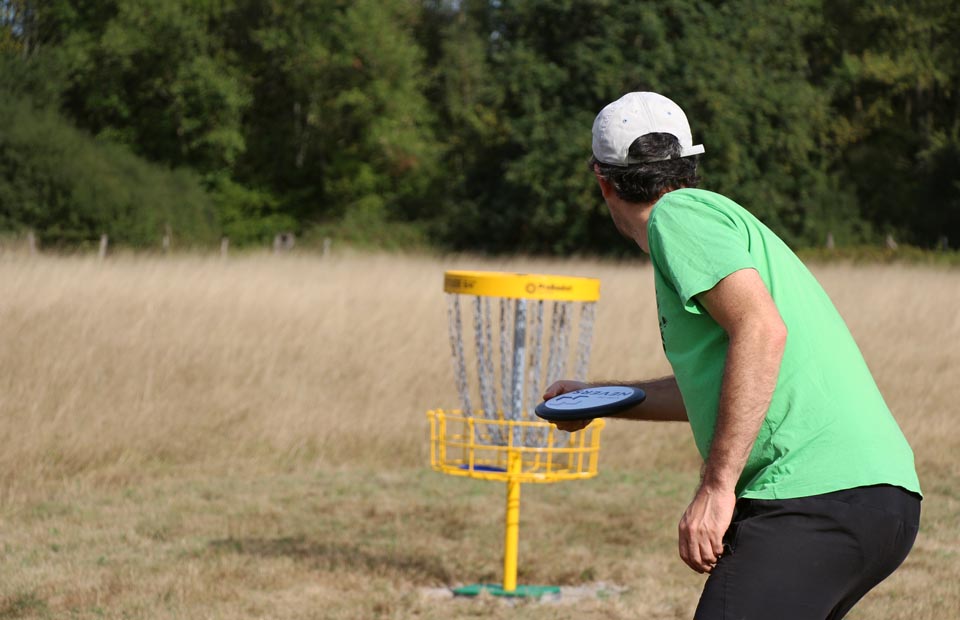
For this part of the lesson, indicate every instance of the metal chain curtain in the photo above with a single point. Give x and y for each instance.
(523, 371)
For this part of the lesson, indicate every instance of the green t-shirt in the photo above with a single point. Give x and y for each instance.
(827, 428)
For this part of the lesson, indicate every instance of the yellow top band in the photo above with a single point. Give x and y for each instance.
(521, 285)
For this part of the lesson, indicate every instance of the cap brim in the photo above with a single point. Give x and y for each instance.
(686, 151)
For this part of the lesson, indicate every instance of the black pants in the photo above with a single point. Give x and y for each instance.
(810, 558)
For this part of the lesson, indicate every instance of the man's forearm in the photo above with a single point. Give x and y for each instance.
(662, 404)
(749, 379)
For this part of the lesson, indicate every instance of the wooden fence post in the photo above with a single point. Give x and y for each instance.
(104, 242)
(284, 242)
(31, 243)
(224, 247)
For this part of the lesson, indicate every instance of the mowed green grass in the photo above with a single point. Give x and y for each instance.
(193, 438)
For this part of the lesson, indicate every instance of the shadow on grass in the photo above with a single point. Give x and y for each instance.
(21, 605)
(326, 556)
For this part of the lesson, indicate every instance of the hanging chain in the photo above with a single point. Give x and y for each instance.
(552, 355)
(456, 344)
(490, 394)
(536, 355)
(481, 331)
(584, 340)
(538, 436)
(517, 382)
(559, 339)
(489, 386)
(481, 323)
(517, 376)
(566, 325)
(506, 353)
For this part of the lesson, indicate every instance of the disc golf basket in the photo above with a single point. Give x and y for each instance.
(511, 335)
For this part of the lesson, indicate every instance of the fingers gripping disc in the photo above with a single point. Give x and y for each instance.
(589, 403)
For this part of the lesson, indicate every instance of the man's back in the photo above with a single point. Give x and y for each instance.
(828, 427)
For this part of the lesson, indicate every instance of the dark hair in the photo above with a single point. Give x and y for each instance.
(646, 182)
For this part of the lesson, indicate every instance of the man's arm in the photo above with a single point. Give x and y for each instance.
(742, 306)
(663, 402)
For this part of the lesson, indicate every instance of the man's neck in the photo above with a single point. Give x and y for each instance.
(643, 218)
(633, 219)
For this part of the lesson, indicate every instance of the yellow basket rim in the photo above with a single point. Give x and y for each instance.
(460, 453)
(521, 285)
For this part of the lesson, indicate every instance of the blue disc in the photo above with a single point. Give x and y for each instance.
(589, 403)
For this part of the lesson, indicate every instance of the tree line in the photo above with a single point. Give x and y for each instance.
(465, 124)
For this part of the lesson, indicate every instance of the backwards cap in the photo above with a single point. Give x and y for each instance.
(635, 115)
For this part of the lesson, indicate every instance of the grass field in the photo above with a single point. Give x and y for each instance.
(187, 437)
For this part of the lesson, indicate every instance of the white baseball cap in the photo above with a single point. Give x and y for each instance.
(635, 115)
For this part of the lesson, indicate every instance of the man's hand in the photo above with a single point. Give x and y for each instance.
(562, 387)
(703, 525)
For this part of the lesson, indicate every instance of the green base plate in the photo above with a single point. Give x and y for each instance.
(495, 590)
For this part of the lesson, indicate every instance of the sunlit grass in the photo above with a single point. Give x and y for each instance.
(191, 437)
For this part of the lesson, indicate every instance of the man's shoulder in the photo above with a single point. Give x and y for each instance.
(690, 204)
(696, 196)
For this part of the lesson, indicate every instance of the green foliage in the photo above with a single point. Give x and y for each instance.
(249, 216)
(70, 189)
(342, 120)
(468, 122)
(744, 83)
(893, 71)
(153, 75)
(367, 226)
(764, 85)
(521, 92)
(41, 79)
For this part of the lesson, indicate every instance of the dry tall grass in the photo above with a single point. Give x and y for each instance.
(109, 367)
(136, 370)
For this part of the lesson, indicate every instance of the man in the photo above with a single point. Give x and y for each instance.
(808, 496)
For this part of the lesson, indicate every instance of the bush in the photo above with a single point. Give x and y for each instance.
(70, 188)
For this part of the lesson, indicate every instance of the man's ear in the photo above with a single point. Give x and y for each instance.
(606, 187)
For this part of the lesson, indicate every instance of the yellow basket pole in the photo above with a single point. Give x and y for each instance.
(512, 535)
